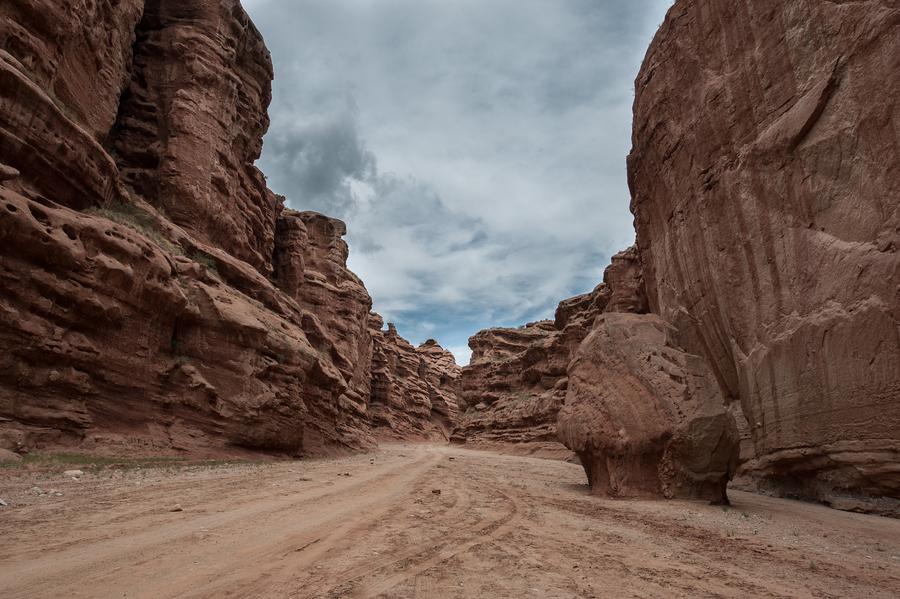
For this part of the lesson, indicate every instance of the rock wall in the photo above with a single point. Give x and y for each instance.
(155, 294)
(414, 390)
(191, 120)
(768, 222)
(516, 382)
(321, 283)
(610, 382)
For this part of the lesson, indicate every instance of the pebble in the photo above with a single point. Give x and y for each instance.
(177, 508)
(436, 491)
(3, 503)
(73, 473)
(37, 490)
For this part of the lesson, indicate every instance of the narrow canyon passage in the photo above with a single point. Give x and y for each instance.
(375, 526)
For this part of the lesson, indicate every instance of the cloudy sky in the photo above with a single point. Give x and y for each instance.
(475, 148)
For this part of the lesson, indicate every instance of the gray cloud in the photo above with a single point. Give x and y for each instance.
(475, 148)
(317, 160)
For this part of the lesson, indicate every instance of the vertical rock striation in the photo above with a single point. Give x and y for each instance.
(766, 205)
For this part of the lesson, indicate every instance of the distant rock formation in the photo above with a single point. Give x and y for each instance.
(154, 294)
(414, 390)
(607, 380)
(517, 379)
(768, 222)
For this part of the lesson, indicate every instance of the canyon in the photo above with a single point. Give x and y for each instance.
(156, 295)
(768, 245)
(162, 310)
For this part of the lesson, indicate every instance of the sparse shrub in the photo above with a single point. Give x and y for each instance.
(137, 220)
(205, 259)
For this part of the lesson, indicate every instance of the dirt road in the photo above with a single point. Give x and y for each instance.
(374, 526)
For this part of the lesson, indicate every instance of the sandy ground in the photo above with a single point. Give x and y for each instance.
(373, 526)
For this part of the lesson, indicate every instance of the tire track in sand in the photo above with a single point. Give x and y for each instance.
(157, 556)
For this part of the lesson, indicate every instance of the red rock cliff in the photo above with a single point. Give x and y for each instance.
(611, 383)
(517, 379)
(155, 294)
(765, 195)
(191, 120)
(414, 390)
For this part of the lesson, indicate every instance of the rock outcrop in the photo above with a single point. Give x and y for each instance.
(644, 417)
(414, 390)
(311, 258)
(443, 376)
(610, 382)
(154, 294)
(511, 392)
(191, 120)
(768, 223)
(517, 379)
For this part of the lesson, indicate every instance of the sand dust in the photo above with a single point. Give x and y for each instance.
(373, 526)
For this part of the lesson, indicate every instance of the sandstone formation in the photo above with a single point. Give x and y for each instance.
(511, 391)
(610, 382)
(768, 222)
(644, 417)
(442, 374)
(154, 294)
(191, 120)
(516, 381)
(414, 390)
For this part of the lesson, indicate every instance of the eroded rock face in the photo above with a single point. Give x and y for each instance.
(413, 389)
(191, 121)
(63, 66)
(111, 338)
(769, 226)
(511, 392)
(155, 294)
(337, 297)
(79, 52)
(442, 374)
(516, 381)
(644, 417)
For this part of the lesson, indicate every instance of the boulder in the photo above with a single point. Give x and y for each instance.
(645, 417)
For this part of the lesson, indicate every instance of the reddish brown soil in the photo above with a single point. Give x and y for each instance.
(502, 526)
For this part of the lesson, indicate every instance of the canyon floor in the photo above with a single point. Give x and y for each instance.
(375, 526)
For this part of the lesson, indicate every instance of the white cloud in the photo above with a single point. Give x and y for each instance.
(475, 149)
(461, 353)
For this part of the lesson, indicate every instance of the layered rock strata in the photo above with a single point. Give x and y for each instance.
(517, 379)
(154, 294)
(768, 224)
(414, 390)
(191, 120)
(611, 383)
